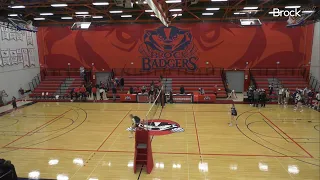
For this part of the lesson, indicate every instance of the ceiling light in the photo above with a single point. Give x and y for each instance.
(307, 12)
(250, 8)
(53, 162)
(207, 14)
(292, 7)
(173, 10)
(152, 15)
(62, 177)
(59, 5)
(12, 15)
(79, 161)
(212, 9)
(17, 7)
(219, 0)
(100, 3)
(66, 18)
(239, 13)
(176, 14)
(173, 1)
(115, 11)
(39, 19)
(125, 16)
(34, 175)
(97, 17)
(82, 13)
(148, 10)
(46, 14)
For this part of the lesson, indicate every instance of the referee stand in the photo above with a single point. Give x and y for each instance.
(143, 151)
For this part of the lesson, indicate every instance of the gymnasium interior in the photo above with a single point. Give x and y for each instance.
(159, 89)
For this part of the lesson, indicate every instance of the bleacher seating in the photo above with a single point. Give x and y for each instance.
(190, 83)
(52, 85)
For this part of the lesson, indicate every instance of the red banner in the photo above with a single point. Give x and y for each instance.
(143, 98)
(128, 97)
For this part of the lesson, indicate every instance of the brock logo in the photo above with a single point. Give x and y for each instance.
(127, 98)
(207, 98)
(160, 127)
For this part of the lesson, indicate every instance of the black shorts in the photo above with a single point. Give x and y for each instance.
(94, 94)
(150, 92)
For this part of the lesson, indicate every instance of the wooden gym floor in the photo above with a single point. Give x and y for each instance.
(89, 141)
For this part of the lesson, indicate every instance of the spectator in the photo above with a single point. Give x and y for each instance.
(215, 90)
(171, 96)
(89, 89)
(256, 98)
(112, 74)
(182, 90)
(270, 89)
(318, 101)
(121, 83)
(83, 92)
(299, 102)
(250, 96)
(14, 103)
(101, 90)
(131, 90)
(286, 97)
(114, 92)
(22, 95)
(310, 98)
(280, 96)
(77, 92)
(116, 80)
(94, 91)
(143, 89)
(263, 98)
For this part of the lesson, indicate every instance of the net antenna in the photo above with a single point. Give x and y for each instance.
(22, 25)
(153, 109)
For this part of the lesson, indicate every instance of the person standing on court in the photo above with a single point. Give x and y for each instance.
(182, 90)
(280, 96)
(14, 103)
(94, 92)
(121, 83)
(263, 98)
(270, 89)
(233, 115)
(256, 98)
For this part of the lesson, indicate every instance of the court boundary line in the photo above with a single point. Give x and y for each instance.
(195, 126)
(287, 135)
(114, 129)
(57, 117)
(167, 153)
(139, 110)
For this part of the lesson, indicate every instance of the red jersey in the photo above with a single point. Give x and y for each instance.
(83, 89)
(76, 90)
(94, 90)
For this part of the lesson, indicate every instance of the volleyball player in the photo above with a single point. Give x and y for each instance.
(233, 115)
(135, 123)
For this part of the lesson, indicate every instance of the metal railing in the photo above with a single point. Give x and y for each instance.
(224, 80)
(252, 79)
(35, 82)
(279, 72)
(167, 72)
